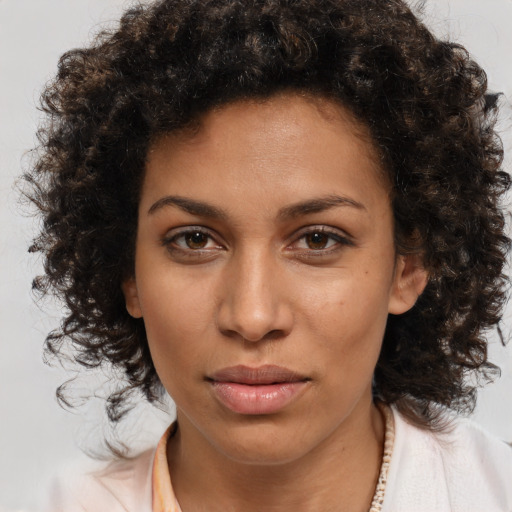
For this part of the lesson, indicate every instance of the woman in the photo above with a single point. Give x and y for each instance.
(286, 215)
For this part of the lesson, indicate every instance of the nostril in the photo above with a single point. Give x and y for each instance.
(275, 334)
(272, 335)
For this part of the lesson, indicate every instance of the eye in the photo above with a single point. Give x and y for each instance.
(193, 240)
(190, 242)
(320, 241)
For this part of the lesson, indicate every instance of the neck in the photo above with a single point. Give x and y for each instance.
(340, 474)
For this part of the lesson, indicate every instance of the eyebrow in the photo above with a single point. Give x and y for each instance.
(191, 206)
(318, 205)
(202, 209)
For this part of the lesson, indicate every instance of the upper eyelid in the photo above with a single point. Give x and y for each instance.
(177, 232)
(183, 230)
(327, 230)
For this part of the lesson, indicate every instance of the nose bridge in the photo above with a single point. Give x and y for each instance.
(253, 304)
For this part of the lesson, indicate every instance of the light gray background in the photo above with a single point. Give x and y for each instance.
(36, 436)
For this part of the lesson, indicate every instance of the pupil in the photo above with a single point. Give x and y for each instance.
(196, 240)
(317, 240)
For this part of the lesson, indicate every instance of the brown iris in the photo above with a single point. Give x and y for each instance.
(196, 240)
(317, 240)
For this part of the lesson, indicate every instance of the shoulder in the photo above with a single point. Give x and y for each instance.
(121, 485)
(462, 469)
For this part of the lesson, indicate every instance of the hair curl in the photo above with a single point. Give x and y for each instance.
(424, 101)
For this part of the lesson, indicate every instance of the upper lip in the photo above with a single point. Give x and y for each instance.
(266, 374)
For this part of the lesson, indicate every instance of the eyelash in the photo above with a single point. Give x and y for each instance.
(170, 242)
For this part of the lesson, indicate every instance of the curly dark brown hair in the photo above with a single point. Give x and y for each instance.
(430, 115)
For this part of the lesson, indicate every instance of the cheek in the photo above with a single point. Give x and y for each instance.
(347, 320)
(348, 304)
(172, 301)
(177, 315)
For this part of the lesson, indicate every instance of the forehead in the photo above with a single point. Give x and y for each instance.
(288, 142)
(299, 107)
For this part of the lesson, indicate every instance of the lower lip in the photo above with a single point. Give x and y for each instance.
(257, 399)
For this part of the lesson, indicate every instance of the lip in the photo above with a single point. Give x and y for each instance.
(263, 390)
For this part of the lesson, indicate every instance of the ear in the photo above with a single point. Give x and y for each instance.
(409, 282)
(131, 297)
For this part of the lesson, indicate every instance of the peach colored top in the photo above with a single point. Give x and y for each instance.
(164, 499)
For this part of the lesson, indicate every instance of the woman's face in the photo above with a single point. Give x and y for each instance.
(265, 271)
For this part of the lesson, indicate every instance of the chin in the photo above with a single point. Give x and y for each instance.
(265, 442)
(262, 454)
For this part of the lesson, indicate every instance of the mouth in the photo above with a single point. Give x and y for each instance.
(264, 390)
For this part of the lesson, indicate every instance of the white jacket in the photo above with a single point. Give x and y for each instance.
(464, 470)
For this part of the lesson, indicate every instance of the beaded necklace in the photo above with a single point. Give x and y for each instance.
(389, 440)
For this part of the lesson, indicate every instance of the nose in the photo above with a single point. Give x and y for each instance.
(254, 304)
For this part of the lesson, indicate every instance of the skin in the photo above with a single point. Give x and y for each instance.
(269, 282)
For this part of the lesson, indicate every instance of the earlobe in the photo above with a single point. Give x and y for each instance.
(409, 282)
(131, 297)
